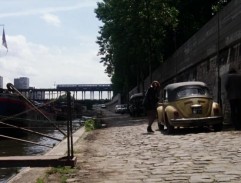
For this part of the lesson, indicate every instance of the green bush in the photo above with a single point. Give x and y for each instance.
(91, 124)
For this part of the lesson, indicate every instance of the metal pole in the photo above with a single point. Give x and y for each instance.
(149, 39)
(71, 131)
(9, 85)
(68, 123)
(218, 64)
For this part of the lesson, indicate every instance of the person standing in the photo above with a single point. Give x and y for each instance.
(233, 89)
(150, 103)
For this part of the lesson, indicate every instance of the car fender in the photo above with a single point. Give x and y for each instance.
(216, 106)
(169, 111)
(160, 114)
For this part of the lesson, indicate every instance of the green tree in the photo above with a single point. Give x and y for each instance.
(193, 14)
(131, 38)
(137, 35)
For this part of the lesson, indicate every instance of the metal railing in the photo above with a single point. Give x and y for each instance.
(39, 161)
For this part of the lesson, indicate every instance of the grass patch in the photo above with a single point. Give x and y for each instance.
(92, 124)
(59, 174)
(40, 180)
(60, 170)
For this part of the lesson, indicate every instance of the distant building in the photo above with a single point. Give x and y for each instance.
(1, 82)
(21, 83)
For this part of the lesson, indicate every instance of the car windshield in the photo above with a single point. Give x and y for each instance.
(187, 92)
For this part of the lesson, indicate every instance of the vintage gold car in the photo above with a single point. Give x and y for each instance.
(188, 104)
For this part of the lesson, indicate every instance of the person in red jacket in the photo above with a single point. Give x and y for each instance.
(150, 103)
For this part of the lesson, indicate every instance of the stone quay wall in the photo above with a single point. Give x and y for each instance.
(215, 45)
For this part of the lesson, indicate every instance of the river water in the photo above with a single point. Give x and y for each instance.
(16, 148)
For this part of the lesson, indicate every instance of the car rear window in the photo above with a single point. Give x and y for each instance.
(191, 91)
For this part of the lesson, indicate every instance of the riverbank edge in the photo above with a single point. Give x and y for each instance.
(31, 175)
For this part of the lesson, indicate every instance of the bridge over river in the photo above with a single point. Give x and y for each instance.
(80, 91)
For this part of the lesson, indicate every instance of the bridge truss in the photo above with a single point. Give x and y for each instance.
(79, 91)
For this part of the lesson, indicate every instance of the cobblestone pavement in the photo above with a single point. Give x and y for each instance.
(124, 153)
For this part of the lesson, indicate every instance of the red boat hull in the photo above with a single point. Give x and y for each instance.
(12, 111)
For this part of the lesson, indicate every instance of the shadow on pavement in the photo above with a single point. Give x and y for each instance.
(195, 130)
(125, 121)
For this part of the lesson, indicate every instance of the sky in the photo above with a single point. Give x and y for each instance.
(51, 42)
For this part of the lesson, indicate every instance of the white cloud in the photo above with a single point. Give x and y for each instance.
(51, 19)
(48, 66)
(72, 56)
(36, 11)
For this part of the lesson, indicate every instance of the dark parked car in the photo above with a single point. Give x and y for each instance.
(188, 104)
(136, 107)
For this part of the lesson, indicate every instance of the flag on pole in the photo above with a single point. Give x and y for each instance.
(4, 42)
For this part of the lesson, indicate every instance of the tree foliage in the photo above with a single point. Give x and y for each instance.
(137, 35)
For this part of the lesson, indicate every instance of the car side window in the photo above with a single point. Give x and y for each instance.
(182, 93)
(165, 94)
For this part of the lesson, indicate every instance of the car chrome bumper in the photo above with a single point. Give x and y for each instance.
(196, 121)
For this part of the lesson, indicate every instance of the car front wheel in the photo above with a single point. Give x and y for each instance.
(170, 128)
(160, 126)
(218, 127)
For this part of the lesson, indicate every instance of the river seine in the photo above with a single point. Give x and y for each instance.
(16, 148)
